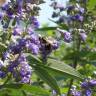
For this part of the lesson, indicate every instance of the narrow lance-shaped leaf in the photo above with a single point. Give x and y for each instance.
(28, 88)
(62, 68)
(44, 75)
(33, 59)
(59, 68)
(91, 4)
(47, 28)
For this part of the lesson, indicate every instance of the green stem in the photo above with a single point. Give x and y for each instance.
(71, 81)
(75, 63)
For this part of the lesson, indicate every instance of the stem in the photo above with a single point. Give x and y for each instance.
(75, 63)
(71, 81)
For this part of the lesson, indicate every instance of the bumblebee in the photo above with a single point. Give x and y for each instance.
(47, 42)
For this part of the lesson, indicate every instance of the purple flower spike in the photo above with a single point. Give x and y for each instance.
(5, 7)
(55, 46)
(88, 93)
(25, 70)
(34, 22)
(1, 15)
(35, 39)
(83, 36)
(22, 42)
(6, 55)
(33, 47)
(92, 83)
(1, 63)
(17, 31)
(20, 3)
(78, 17)
(67, 37)
(78, 94)
(84, 85)
(81, 10)
(74, 92)
(30, 30)
(71, 7)
(54, 93)
(2, 74)
(15, 49)
(25, 80)
(22, 58)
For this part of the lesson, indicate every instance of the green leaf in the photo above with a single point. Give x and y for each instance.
(91, 4)
(87, 55)
(3, 47)
(47, 28)
(62, 26)
(10, 92)
(28, 88)
(64, 69)
(14, 22)
(33, 59)
(44, 75)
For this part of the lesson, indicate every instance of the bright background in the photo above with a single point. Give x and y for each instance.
(46, 12)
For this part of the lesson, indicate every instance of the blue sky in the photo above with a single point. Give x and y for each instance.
(46, 12)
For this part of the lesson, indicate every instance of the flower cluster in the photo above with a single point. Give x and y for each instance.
(54, 93)
(20, 69)
(17, 11)
(74, 22)
(87, 88)
(66, 35)
(74, 14)
(23, 42)
(24, 69)
(20, 17)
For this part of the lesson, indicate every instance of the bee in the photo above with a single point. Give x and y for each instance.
(47, 42)
(2, 2)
